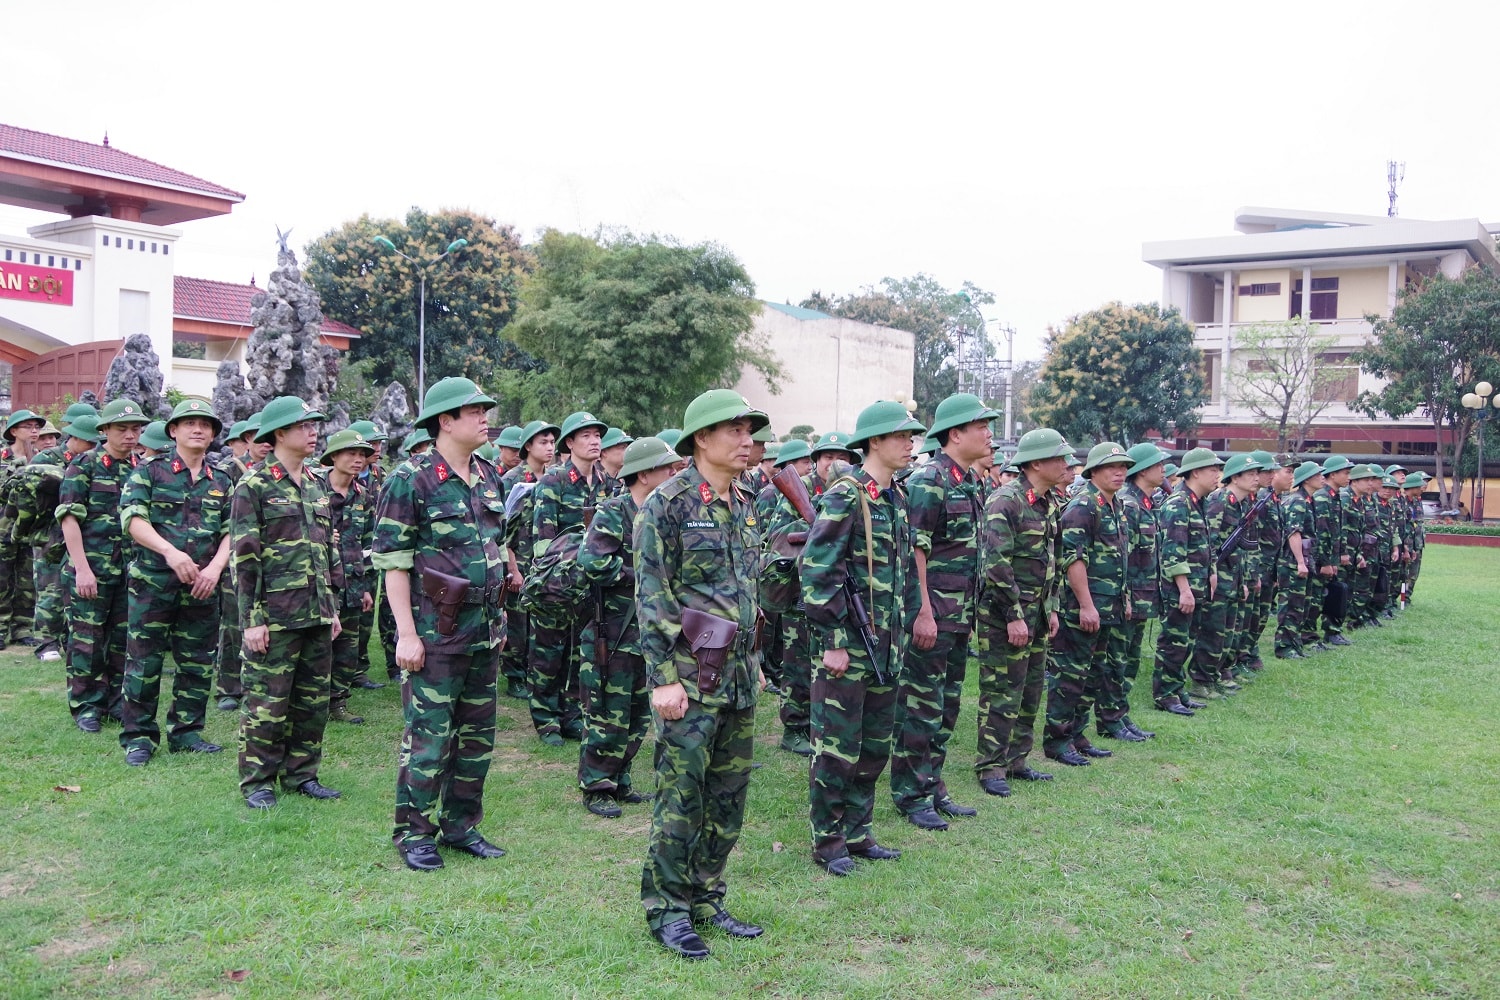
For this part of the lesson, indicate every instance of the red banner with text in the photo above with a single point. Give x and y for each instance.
(36, 284)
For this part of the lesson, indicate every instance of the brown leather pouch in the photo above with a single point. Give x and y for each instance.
(709, 637)
(447, 595)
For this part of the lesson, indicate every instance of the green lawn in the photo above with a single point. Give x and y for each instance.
(1329, 832)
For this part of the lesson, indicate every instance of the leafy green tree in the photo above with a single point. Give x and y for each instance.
(471, 295)
(1278, 378)
(1442, 337)
(1117, 372)
(634, 327)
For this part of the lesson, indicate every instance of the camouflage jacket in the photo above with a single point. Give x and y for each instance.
(32, 518)
(233, 467)
(1095, 534)
(754, 479)
(1386, 537)
(354, 524)
(1021, 535)
(430, 519)
(837, 546)
(782, 513)
(767, 502)
(1222, 512)
(947, 514)
(92, 489)
(608, 560)
(1271, 537)
(281, 535)
(518, 533)
(1328, 523)
(1183, 544)
(1297, 508)
(564, 500)
(1141, 567)
(694, 549)
(192, 515)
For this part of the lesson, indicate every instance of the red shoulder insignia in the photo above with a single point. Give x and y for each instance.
(1146, 502)
(1230, 497)
(873, 489)
(68, 457)
(441, 468)
(706, 492)
(818, 490)
(176, 465)
(572, 475)
(277, 473)
(530, 476)
(1031, 495)
(107, 460)
(958, 474)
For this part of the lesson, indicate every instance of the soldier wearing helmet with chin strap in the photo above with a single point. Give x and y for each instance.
(536, 444)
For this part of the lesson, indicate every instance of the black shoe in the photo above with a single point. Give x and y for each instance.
(368, 685)
(679, 937)
(1193, 703)
(420, 857)
(515, 689)
(633, 798)
(261, 799)
(995, 786)
(138, 756)
(202, 746)
(313, 790)
(1144, 734)
(724, 921)
(874, 852)
(479, 848)
(1089, 750)
(602, 804)
(573, 732)
(927, 819)
(1290, 654)
(948, 807)
(1070, 757)
(1122, 732)
(1029, 774)
(1319, 647)
(1388, 613)
(837, 866)
(1339, 640)
(88, 723)
(33, 641)
(228, 704)
(1376, 622)
(1173, 705)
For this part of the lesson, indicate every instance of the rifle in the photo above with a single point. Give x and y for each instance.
(1245, 522)
(601, 644)
(790, 485)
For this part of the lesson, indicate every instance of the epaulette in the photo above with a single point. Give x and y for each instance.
(741, 491)
(673, 488)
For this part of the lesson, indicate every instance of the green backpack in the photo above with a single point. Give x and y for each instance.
(556, 585)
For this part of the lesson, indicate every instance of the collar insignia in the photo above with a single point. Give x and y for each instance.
(873, 489)
(441, 469)
(706, 492)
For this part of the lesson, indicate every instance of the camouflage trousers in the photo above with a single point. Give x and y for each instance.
(1085, 665)
(1362, 594)
(366, 629)
(50, 621)
(1174, 648)
(927, 707)
(852, 721)
(1416, 571)
(616, 711)
(164, 617)
(344, 670)
(96, 645)
(1218, 622)
(285, 708)
(1258, 612)
(385, 626)
(1315, 625)
(17, 592)
(552, 674)
(1400, 572)
(1113, 706)
(1010, 691)
(775, 651)
(1291, 606)
(231, 641)
(702, 774)
(513, 657)
(799, 645)
(446, 747)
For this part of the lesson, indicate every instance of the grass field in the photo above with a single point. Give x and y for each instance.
(1330, 832)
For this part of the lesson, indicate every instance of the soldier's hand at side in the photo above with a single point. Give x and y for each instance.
(410, 653)
(1186, 602)
(366, 601)
(87, 583)
(1052, 624)
(669, 701)
(1328, 571)
(1088, 619)
(182, 564)
(338, 627)
(514, 581)
(206, 583)
(257, 639)
(836, 661)
(1302, 571)
(924, 632)
(1213, 585)
(1017, 633)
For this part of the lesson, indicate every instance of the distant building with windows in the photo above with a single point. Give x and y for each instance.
(1332, 269)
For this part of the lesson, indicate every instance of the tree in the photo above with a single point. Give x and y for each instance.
(1442, 337)
(470, 295)
(634, 327)
(1279, 379)
(1117, 372)
(1023, 384)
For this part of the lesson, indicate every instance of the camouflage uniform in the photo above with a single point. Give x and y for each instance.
(616, 705)
(1270, 539)
(1328, 521)
(1021, 580)
(1293, 590)
(91, 492)
(799, 645)
(354, 523)
(231, 640)
(1185, 550)
(1144, 584)
(564, 500)
(1088, 665)
(853, 715)
(518, 539)
(696, 550)
(282, 537)
(193, 516)
(17, 583)
(36, 527)
(372, 479)
(1219, 618)
(430, 519)
(947, 515)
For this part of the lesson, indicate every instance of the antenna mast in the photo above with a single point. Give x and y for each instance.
(1395, 173)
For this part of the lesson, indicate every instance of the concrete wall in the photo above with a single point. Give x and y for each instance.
(833, 368)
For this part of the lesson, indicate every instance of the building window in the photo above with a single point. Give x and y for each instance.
(105, 240)
(1336, 378)
(7, 253)
(1325, 299)
(1317, 447)
(1211, 375)
(153, 248)
(78, 265)
(163, 249)
(130, 244)
(1261, 288)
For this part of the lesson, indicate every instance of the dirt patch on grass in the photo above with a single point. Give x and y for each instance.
(1390, 882)
(15, 885)
(85, 938)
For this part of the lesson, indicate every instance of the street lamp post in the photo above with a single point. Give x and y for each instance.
(422, 268)
(1480, 401)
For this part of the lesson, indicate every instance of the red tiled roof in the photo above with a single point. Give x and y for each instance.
(105, 159)
(226, 302)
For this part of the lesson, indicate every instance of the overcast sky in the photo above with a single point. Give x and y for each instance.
(1028, 150)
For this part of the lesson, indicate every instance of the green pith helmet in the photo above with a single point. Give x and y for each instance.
(510, 438)
(714, 407)
(791, 451)
(773, 448)
(17, 419)
(575, 422)
(671, 435)
(252, 423)
(1143, 456)
(48, 430)
(1377, 469)
(1336, 463)
(1362, 472)
(1306, 471)
(76, 410)
(155, 436)
(613, 437)
(489, 453)
(647, 453)
(1106, 453)
(1198, 458)
(1170, 470)
(1244, 462)
(1389, 482)
(834, 441)
(195, 408)
(416, 439)
(1264, 460)
(120, 411)
(1415, 481)
(534, 428)
(369, 431)
(85, 427)
(1039, 444)
(237, 430)
(884, 417)
(282, 412)
(447, 396)
(1394, 468)
(929, 445)
(765, 435)
(959, 409)
(346, 438)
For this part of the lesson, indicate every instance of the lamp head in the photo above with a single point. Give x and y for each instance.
(385, 243)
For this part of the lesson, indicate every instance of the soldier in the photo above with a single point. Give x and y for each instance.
(509, 445)
(346, 454)
(612, 457)
(537, 443)
(768, 463)
(1270, 535)
(768, 504)
(281, 534)
(755, 477)
(564, 500)
(35, 494)
(418, 442)
(17, 597)
(437, 539)
(154, 440)
(1296, 571)
(861, 535)
(1144, 477)
(698, 550)
(1333, 558)
(1414, 484)
(231, 643)
(370, 479)
(88, 513)
(1364, 523)
(176, 510)
(1188, 578)
(947, 515)
(1224, 509)
(612, 682)
(1018, 616)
